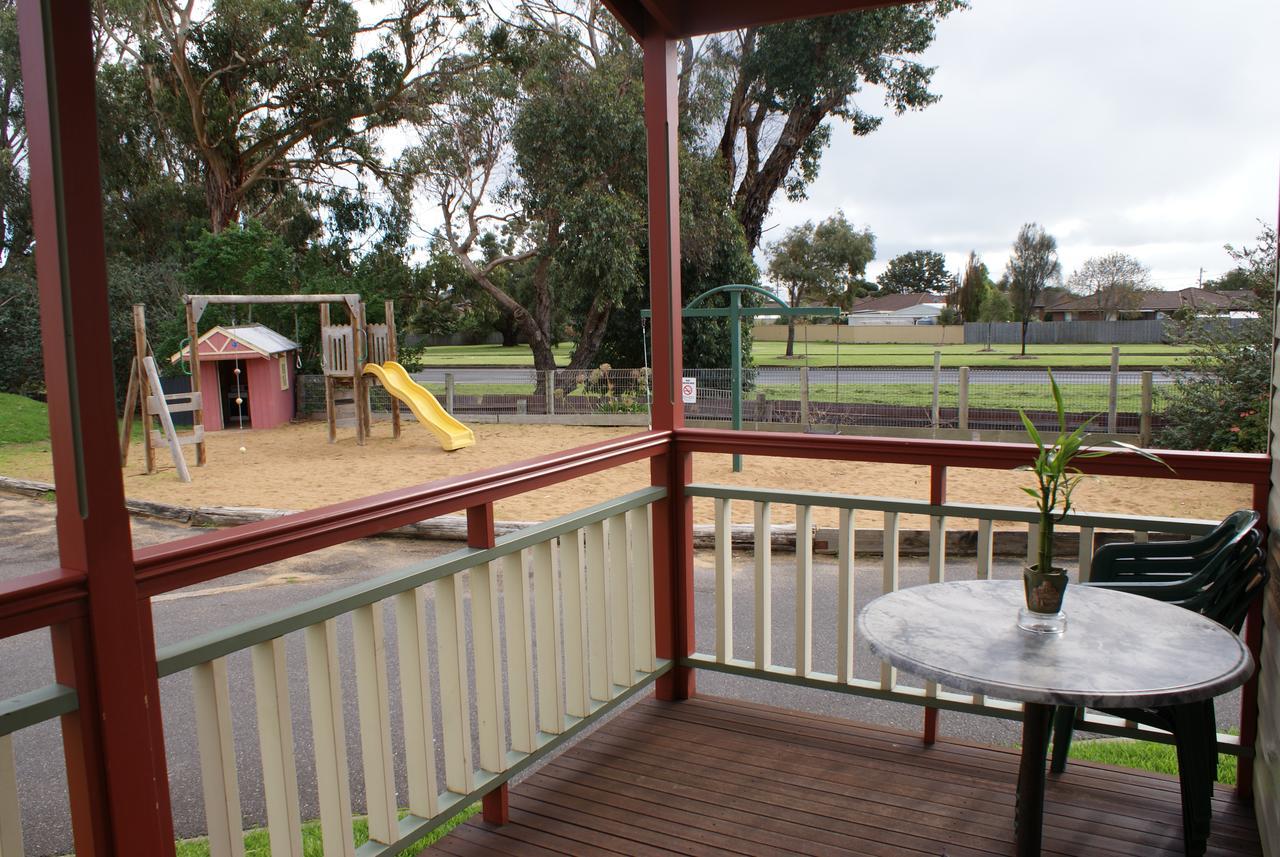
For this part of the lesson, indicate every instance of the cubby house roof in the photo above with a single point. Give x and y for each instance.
(257, 338)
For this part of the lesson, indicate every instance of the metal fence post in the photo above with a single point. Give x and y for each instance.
(1113, 392)
(804, 397)
(551, 391)
(1144, 421)
(962, 398)
(937, 379)
(448, 391)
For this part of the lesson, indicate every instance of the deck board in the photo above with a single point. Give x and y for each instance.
(714, 776)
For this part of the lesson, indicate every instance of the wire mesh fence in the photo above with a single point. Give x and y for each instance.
(975, 399)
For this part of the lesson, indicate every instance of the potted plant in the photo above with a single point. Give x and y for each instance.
(1057, 478)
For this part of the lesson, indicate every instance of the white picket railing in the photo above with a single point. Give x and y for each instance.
(586, 576)
(889, 684)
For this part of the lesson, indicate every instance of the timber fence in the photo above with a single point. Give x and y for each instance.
(986, 400)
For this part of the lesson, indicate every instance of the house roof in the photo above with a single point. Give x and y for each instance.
(895, 303)
(254, 337)
(1151, 301)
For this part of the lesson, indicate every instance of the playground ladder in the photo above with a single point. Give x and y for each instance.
(158, 405)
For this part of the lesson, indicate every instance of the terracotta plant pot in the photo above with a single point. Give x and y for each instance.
(1044, 589)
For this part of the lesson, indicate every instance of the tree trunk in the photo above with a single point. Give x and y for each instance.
(510, 331)
(1024, 337)
(756, 192)
(221, 192)
(791, 337)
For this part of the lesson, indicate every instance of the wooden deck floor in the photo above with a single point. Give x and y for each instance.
(714, 776)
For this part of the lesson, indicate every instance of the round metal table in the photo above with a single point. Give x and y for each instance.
(1118, 651)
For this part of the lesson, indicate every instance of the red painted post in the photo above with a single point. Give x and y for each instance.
(114, 745)
(1252, 639)
(480, 534)
(672, 517)
(661, 119)
(937, 496)
(673, 573)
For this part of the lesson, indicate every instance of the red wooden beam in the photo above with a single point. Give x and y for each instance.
(708, 16)
(42, 599)
(115, 750)
(673, 573)
(661, 120)
(1249, 469)
(481, 534)
(641, 18)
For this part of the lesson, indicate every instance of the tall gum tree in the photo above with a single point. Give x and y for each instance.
(786, 81)
(274, 94)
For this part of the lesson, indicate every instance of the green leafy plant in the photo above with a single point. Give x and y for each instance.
(1056, 474)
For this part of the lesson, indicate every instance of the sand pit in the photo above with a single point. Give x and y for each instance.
(294, 467)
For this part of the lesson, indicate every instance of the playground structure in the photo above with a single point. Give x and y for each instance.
(734, 312)
(354, 356)
(452, 434)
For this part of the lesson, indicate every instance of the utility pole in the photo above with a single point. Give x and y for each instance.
(1200, 283)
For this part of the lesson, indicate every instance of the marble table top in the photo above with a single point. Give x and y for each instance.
(1118, 651)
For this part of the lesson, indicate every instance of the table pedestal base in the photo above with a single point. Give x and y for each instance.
(1028, 816)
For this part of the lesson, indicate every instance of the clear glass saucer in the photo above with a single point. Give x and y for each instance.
(1041, 623)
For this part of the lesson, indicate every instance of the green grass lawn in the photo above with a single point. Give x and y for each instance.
(1078, 397)
(1004, 356)
(258, 844)
(486, 355)
(22, 420)
(1144, 756)
(824, 354)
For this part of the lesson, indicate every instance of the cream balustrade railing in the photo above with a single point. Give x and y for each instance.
(759, 661)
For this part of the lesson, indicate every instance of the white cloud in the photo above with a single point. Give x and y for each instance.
(1119, 124)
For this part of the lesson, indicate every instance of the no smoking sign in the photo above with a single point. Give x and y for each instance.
(689, 390)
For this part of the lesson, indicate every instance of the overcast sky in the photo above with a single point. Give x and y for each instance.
(1147, 127)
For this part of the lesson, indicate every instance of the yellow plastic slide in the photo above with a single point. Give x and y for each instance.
(453, 434)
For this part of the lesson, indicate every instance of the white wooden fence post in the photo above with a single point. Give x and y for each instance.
(1144, 421)
(1113, 391)
(937, 379)
(962, 398)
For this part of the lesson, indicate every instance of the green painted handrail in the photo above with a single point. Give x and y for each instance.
(206, 647)
(37, 706)
(905, 506)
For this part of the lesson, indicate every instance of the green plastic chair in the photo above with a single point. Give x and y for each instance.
(1219, 576)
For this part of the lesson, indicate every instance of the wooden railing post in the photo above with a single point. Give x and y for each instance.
(1113, 390)
(114, 743)
(934, 415)
(1144, 420)
(481, 534)
(804, 397)
(673, 572)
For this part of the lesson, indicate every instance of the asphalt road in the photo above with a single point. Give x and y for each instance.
(27, 545)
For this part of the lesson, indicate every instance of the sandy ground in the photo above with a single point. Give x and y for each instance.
(294, 467)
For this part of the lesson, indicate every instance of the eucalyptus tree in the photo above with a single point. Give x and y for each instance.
(275, 95)
(820, 263)
(784, 84)
(1032, 267)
